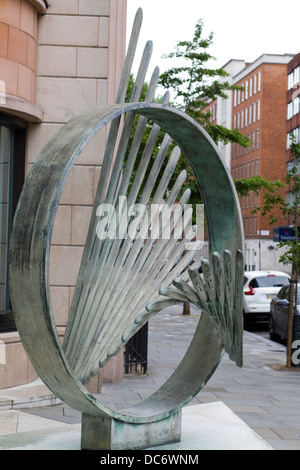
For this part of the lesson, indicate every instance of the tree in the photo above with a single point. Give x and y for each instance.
(271, 199)
(291, 254)
(292, 211)
(195, 84)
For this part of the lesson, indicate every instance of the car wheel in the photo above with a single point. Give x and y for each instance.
(272, 335)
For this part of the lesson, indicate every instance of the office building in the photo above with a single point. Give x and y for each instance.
(259, 111)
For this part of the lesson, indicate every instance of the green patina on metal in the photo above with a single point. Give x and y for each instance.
(96, 333)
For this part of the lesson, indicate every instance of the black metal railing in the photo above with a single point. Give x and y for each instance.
(136, 352)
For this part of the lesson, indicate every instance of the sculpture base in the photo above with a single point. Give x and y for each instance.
(99, 433)
(210, 426)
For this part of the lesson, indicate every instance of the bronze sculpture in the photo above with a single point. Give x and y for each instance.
(106, 312)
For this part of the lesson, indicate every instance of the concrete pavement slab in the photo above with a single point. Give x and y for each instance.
(266, 398)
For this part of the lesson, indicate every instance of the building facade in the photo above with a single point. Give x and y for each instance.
(258, 110)
(57, 60)
(293, 114)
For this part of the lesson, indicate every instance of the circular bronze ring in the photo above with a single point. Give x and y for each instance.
(30, 247)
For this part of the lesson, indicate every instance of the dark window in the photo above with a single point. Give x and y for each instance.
(269, 281)
(284, 293)
(12, 165)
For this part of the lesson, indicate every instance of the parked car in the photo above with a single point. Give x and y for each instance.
(259, 289)
(278, 322)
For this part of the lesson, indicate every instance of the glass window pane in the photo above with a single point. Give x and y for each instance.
(270, 281)
(5, 167)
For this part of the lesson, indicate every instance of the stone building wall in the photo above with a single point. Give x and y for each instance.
(66, 59)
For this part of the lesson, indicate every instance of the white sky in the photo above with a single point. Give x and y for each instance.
(242, 30)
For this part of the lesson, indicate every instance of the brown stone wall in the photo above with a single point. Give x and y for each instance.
(63, 62)
(18, 51)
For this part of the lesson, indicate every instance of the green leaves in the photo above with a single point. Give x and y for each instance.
(271, 198)
(221, 133)
(292, 210)
(195, 84)
(256, 183)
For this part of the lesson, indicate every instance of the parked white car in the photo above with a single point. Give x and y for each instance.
(259, 289)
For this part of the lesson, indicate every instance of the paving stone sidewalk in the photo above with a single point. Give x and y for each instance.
(263, 395)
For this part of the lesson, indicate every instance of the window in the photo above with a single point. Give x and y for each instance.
(296, 102)
(258, 81)
(233, 150)
(290, 198)
(291, 166)
(290, 110)
(269, 281)
(296, 133)
(294, 78)
(258, 111)
(293, 107)
(212, 111)
(250, 87)
(246, 226)
(296, 75)
(12, 158)
(254, 84)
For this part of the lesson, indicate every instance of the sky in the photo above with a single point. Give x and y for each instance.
(241, 30)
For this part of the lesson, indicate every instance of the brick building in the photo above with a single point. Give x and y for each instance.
(293, 111)
(259, 111)
(57, 59)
